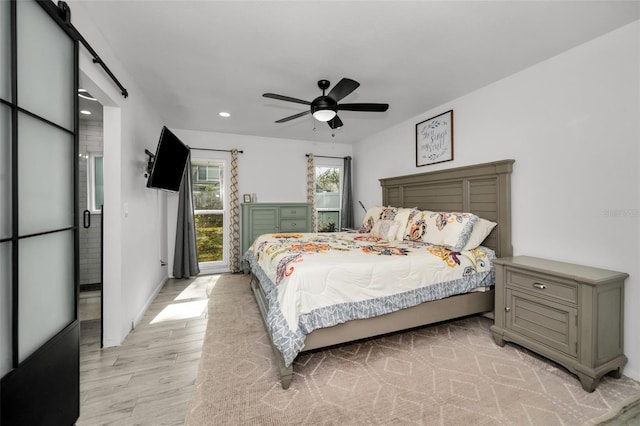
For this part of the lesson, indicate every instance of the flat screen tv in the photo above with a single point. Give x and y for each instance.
(169, 162)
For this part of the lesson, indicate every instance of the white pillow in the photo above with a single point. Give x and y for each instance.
(386, 229)
(481, 230)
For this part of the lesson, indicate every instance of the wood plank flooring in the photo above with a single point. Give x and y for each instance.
(149, 379)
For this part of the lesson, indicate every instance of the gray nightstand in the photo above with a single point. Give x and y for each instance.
(568, 313)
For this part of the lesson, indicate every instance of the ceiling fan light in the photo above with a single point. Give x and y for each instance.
(324, 114)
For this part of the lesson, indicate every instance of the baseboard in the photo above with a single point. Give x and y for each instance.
(213, 270)
(148, 303)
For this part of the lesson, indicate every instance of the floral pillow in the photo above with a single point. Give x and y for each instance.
(375, 214)
(416, 225)
(402, 218)
(450, 230)
(370, 218)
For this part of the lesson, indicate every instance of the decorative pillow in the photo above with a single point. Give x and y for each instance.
(402, 217)
(388, 213)
(416, 225)
(370, 218)
(375, 214)
(450, 230)
(385, 229)
(481, 230)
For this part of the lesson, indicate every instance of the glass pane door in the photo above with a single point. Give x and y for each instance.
(208, 186)
(328, 201)
(39, 331)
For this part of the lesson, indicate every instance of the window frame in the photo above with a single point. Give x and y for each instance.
(216, 266)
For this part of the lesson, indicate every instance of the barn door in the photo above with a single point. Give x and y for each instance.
(39, 330)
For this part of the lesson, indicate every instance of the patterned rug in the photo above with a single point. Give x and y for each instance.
(446, 374)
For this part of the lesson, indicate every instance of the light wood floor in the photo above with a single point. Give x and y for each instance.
(149, 379)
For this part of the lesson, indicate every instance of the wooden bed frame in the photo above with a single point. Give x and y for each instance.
(482, 189)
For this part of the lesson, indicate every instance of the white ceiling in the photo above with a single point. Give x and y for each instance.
(193, 59)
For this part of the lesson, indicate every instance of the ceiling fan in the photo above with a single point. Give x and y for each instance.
(326, 107)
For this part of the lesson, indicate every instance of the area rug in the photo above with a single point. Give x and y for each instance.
(446, 374)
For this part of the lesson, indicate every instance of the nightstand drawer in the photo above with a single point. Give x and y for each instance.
(293, 212)
(565, 291)
(291, 225)
(549, 323)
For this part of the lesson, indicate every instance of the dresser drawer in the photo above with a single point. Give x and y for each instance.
(549, 323)
(552, 288)
(293, 212)
(293, 225)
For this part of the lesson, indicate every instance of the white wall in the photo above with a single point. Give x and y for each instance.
(274, 169)
(134, 225)
(572, 125)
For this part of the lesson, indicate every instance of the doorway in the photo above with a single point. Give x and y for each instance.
(90, 204)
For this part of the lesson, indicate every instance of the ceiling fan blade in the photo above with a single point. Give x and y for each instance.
(293, 117)
(363, 107)
(343, 88)
(286, 98)
(335, 122)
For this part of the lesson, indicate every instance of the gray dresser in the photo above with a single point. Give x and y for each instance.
(268, 218)
(568, 313)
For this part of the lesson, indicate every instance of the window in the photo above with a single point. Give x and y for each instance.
(95, 183)
(209, 206)
(207, 173)
(328, 197)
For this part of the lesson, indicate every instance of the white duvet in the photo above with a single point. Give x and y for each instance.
(316, 273)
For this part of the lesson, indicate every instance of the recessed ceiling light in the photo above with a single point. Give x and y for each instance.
(224, 114)
(85, 112)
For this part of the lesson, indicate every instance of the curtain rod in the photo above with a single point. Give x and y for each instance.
(326, 156)
(64, 14)
(211, 149)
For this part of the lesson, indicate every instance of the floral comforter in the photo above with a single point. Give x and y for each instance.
(320, 280)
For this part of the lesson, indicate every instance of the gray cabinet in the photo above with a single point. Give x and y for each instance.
(569, 313)
(268, 218)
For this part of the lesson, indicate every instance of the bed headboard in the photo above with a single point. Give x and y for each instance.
(482, 189)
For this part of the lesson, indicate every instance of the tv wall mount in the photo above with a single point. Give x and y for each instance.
(150, 161)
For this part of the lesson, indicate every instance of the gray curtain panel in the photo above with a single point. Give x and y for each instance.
(185, 259)
(346, 218)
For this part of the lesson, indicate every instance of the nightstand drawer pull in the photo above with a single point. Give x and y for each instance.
(540, 286)
(507, 308)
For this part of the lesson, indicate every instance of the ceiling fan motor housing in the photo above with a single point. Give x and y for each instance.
(323, 103)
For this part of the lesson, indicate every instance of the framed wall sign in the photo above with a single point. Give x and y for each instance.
(434, 140)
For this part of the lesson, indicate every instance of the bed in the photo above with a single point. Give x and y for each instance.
(480, 191)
